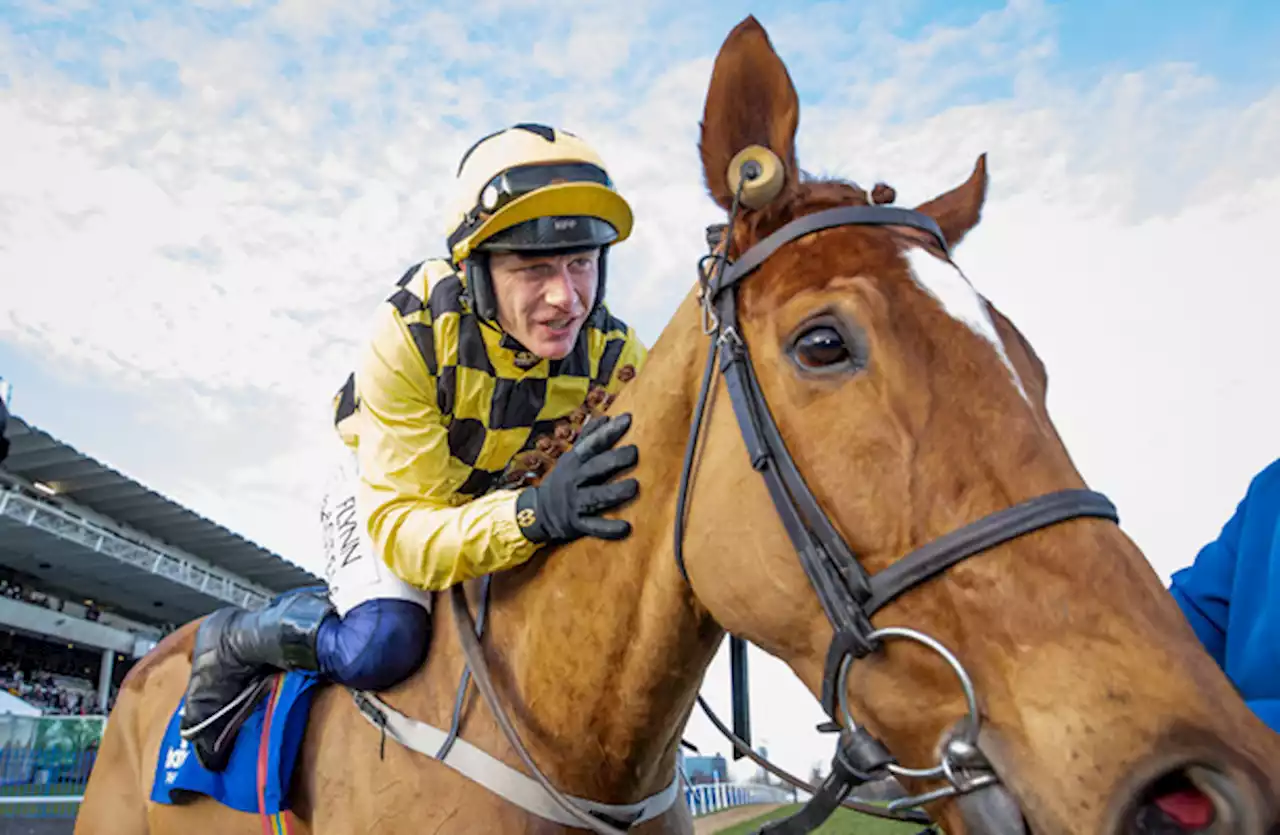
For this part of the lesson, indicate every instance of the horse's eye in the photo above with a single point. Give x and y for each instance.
(820, 348)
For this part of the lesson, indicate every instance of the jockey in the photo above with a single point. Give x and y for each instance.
(1230, 595)
(471, 359)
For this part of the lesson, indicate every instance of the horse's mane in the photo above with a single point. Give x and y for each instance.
(532, 465)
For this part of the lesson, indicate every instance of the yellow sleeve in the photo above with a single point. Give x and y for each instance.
(425, 532)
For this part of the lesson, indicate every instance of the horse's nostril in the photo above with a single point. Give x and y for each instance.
(1192, 799)
(1173, 804)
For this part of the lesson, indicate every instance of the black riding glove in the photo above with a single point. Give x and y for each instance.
(568, 503)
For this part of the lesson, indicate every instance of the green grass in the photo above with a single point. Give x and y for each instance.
(843, 822)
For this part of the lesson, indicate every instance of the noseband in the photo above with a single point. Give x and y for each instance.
(848, 593)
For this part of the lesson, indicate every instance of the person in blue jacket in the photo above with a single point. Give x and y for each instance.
(1231, 596)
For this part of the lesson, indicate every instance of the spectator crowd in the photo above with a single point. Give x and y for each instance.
(52, 693)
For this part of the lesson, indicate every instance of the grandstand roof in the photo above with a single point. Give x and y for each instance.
(38, 457)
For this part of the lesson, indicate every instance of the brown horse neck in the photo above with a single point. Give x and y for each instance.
(598, 648)
(606, 637)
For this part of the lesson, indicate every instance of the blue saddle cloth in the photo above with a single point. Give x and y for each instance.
(180, 774)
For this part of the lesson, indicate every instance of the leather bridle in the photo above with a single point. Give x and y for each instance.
(849, 595)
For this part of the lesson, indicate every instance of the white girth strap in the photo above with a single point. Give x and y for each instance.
(498, 777)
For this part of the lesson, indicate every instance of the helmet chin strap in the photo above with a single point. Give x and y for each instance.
(601, 264)
(478, 287)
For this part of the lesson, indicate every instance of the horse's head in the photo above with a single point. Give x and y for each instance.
(911, 408)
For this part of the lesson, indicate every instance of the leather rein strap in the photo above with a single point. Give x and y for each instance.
(479, 667)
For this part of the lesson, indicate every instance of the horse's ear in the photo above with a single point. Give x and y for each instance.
(959, 210)
(750, 101)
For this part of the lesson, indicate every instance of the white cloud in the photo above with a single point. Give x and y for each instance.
(232, 240)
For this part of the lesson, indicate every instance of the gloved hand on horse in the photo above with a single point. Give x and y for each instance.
(568, 503)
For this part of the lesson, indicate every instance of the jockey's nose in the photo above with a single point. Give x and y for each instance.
(559, 291)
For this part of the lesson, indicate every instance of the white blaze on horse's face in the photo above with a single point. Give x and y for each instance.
(948, 286)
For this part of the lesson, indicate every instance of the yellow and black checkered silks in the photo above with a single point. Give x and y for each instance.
(439, 404)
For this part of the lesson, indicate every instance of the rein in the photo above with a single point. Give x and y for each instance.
(479, 669)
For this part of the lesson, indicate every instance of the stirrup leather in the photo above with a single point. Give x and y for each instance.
(235, 712)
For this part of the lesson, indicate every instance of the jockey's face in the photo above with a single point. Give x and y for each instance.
(543, 300)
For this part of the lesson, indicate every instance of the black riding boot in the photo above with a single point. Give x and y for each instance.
(234, 652)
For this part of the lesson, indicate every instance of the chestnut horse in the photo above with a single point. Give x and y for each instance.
(912, 408)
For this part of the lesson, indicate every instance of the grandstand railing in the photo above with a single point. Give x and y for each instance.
(152, 559)
(706, 798)
(45, 763)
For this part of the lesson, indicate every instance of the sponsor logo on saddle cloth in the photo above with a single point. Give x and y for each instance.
(175, 757)
(353, 573)
(263, 756)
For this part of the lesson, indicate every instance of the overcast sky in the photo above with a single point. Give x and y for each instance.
(200, 202)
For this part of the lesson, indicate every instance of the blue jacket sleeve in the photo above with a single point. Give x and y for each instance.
(1203, 589)
(1268, 710)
